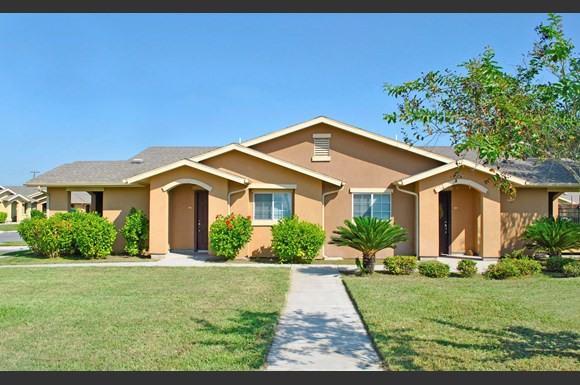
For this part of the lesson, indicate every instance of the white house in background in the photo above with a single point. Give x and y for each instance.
(17, 201)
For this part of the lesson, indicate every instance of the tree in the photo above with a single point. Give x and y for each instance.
(369, 236)
(532, 112)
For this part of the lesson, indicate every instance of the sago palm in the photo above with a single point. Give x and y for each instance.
(369, 236)
(553, 235)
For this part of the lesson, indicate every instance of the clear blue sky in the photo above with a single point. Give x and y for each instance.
(98, 87)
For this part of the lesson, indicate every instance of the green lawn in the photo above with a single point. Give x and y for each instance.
(422, 323)
(13, 243)
(138, 318)
(8, 226)
(27, 257)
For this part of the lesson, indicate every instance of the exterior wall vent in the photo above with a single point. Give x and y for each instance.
(321, 147)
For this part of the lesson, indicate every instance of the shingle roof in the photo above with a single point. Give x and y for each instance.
(534, 171)
(23, 190)
(114, 171)
(80, 197)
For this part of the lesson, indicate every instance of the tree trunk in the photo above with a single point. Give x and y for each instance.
(369, 263)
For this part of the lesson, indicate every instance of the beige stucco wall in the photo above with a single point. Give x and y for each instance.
(117, 202)
(58, 200)
(487, 210)
(306, 197)
(528, 205)
(464, 219)
(359, 162)
(159, 242)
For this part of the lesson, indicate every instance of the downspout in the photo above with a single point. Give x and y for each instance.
(416, 216)
(230, 198)
(323, 200)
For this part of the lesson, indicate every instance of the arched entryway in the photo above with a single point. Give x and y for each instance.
(460, 217)
(188, 215)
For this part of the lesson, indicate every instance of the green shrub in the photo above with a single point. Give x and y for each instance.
(400, 265)
(434, 269)
(557, 263)
(571, 269)
(36, 214)
(510, 267)
(3, 217)
(29, 230)
(94, 235)
(74, 233)
(229, 234)
(553, 235)
(55, 236)
(136, 232)
(467, 268)
(296, 241)
(517, 254)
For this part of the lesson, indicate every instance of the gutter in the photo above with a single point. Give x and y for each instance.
(230, 197)
(322, 199)
(414, 194)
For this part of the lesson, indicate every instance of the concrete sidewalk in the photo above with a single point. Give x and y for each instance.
(319, 328)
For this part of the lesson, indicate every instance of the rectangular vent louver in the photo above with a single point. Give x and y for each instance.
(321, 146)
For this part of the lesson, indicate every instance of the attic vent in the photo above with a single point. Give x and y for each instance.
(321, 148)
(136, 160)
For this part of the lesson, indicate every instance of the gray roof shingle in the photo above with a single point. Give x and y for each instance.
(114, 171)
(533, 170)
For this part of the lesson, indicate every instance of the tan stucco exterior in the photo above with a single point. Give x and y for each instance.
(482, 220)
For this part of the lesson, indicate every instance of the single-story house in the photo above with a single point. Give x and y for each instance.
(81, 201)
(323, 171)
(17, 201)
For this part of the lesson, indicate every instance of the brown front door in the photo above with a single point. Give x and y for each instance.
(201, 220)
(444, 221)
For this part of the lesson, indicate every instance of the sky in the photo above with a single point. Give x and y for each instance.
(105, 86)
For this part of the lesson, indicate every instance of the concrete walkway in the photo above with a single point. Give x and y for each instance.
(319, 328)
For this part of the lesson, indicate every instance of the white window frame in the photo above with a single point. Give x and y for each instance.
(270, 222)
(372, 193)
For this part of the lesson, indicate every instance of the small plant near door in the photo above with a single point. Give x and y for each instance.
(229, 234)
(369, 235)
(3, 217)
(136, 232)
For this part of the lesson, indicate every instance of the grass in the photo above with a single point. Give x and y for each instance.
(8, 226)
(421, 323)
(138, 318)
(27, 257)
(13, 243)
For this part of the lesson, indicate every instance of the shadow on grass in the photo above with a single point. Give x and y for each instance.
(256, 328)
(508, 344)
(30, 255)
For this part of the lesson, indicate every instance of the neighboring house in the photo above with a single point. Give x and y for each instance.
(569, 206)
(81, 201)
(17, 201)
(323, 171)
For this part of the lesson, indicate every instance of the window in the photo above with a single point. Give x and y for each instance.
(272, 206)
(321, 147)
(371, 205)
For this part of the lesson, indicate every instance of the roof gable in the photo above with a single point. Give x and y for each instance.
(267, 158)
(348, 128)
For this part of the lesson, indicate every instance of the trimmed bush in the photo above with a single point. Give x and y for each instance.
(36, 214)
(571, 269)
(467, 268)
(296, 241)
(3, 217)
(75, 233)
(510, 268)
(136, 232)
(93, 236)
(229, 234)
(557, 263)
(434, 269)
(400, 265)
